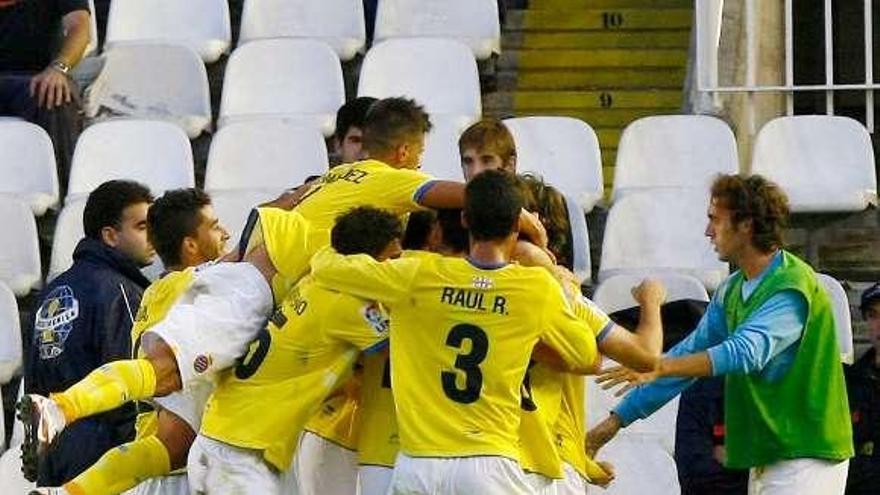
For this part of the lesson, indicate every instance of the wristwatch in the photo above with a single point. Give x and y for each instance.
(60, 67)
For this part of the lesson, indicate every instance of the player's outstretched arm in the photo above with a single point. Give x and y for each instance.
(640, 350)
(362, 276)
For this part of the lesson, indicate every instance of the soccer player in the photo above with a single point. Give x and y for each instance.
(486, 145)
(462, 332)
(258, 410)
(185, 232)
(770, 331)
(349, 133)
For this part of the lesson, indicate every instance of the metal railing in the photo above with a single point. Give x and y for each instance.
(708, 17)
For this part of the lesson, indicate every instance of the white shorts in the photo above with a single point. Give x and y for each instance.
(485, 475)
(215, 320)
(217, 468)
(188, 404)
(799, 477)
(321, 467)
(173, 484)
(572, 484)
(374, 480)
(541, 485)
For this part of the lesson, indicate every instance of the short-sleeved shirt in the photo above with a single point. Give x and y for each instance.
(461, 339)
(307, 350)
(30, 31)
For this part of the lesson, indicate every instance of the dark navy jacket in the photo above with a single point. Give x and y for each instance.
(84, 320)
(863, 390)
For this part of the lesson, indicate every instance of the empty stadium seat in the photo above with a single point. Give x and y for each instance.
(10, 336)
(580, 241)
(175, 88)
(272, 155)
(11, 478)
(472, 22)
(27, 165)
(842, 317)
(660, 230)
(563, 150)
(68, 233)
(439, 74)
(441, 157)
(202, 25)
(92, 47)
(156, 154)
(642, 453)
(673, 151)
(615, 293)
(339, 23)
(824, 163)
(19, 249)
(296, 79)
(233, 208)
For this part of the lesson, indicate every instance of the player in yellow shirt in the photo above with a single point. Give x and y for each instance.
(185, 231)
(256, 413)
(462, 333)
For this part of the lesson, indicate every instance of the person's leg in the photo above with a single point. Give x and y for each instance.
(324, 467)
(216, 468)
(799, 477)
(374, 480)
(122, 468)
(487, 475)
(421, 475)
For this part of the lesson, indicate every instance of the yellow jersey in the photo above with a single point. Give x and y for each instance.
(307, 349)
(379, 440)
(461, 338)
(157, 300)
(337, 420)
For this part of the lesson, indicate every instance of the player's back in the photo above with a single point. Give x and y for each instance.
(306, 350)
(461, 343)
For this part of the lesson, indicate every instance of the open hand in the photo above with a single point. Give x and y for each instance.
(51, 88)
(617, 375)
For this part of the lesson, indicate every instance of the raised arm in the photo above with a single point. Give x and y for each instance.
(641, 350)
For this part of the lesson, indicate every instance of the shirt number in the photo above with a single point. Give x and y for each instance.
(250, 363)
(469, 363)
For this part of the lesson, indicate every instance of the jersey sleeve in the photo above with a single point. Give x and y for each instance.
(285, 235)
(362, 276)
(573, 339)
(598, 322)
(363, 324)
(404, 188)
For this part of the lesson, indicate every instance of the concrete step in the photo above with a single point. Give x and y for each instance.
(596, 39)
(614, 118)
(606, 78)
(598, 19)
(527, 100)
(610, 4)
(582, 59)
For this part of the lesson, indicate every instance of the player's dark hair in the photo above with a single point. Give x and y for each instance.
(757, 199)
(391, 122)
(174, 216)
(549, 204)
(106, 203)
(418, 227)
(492, 205)
(352, 114)
(364, 230)
(455, 236)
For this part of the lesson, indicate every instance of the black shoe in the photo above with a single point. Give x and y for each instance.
(30, 455)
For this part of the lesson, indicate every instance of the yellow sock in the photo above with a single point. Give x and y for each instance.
(106, 388)
(122, 468)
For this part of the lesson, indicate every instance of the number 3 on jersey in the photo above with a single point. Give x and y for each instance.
(467, 362)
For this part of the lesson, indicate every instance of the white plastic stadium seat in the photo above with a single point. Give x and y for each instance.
(441, 157)
(10, 336)
(68, 233)
(233, 208)
(11, 478)
(287, 78)
(439, 74)
(660, 230)
(175, 90)
(156, 154)
(580, 241)
(202, 25)
(823, 163)
(472, 22)
(842, 316)
(563, 150)
(27, 165)
(272, 155)
(643, 452)
(339, 23)
(19, 249)
(615, 293)
(673, 151)
(92, 47)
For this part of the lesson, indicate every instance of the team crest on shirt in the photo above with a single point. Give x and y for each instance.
(376, 318)
(482, 283)
(54, 321)
(201, 363)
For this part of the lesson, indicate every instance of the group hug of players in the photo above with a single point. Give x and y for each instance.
(452, 368)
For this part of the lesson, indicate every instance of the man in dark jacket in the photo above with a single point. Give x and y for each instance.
(863, 388)
(84, 320)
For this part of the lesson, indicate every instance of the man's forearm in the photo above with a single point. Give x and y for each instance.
(649, 331)
(692, 365)
(76, 37)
